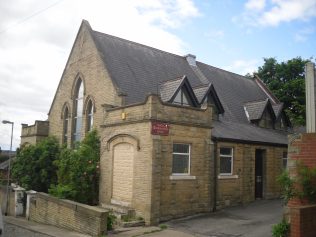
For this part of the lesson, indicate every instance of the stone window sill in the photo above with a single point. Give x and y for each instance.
(227, 177)
(182, 177)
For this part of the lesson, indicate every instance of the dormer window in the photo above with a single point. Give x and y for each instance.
(266, 120)
(182, 98)
(178, 91)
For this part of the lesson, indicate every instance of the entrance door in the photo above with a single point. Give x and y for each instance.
(259, 173)
(123, 170)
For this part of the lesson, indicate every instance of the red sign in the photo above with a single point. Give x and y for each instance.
(158, 128)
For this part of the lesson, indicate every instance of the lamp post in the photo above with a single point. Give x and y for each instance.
(9, 167)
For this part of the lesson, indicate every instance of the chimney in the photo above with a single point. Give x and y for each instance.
(191, 59)
(310, 97)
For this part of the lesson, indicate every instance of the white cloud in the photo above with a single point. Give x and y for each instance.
(277, 12)
(243, 67)
(34, 49)
(256, 5)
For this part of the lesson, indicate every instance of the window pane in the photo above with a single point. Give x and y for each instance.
(226, 151)
(80, 91)
(78, 125)
(185, 99)
(177, 99)
(180, 164)
(225, 165)
(181, 148)
(79, 107)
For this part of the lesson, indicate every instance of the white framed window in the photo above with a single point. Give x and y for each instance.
(226, 160)
(284, 160)
(181, 159)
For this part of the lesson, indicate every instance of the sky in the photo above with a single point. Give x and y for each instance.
(36, 38)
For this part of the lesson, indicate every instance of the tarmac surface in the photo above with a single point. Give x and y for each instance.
(252, 220)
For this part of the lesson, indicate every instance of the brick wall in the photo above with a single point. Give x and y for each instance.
(68, 214)
(302, 148)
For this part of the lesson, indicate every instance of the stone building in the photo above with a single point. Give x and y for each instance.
(178, 136)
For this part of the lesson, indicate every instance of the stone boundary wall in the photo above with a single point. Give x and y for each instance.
(68, 214)
(3, 200)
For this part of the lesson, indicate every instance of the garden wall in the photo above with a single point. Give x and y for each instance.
(68, 214)
(302, 149)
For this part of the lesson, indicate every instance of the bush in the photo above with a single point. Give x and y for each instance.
(303, 186)
(78, 171)
(110, 221)
(34, 168)
(281, 229)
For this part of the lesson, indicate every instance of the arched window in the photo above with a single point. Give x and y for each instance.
(78, 109)
(65, 125)
(90, 116)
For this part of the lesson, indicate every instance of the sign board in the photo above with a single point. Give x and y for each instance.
(158, 128)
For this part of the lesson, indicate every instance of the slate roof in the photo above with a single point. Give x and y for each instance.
(255, 109)
(137, 70)
(200, 92)
(225, 130)
(277, 108)
(168, 88)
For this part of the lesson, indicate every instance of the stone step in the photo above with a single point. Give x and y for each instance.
(126, 216)
(119, 210)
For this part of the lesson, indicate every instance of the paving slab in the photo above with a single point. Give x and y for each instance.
(21, 227)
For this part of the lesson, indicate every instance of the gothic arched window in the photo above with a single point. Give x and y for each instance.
(78, 109)
(90, 109)
(65, 125)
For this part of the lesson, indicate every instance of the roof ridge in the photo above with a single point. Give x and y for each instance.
(136, 43)
(169, 53)
(224, 70)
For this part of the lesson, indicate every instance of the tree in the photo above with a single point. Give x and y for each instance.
(286, 80)
(34, 168)
(78, 171)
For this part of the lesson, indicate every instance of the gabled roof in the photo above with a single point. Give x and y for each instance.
(202, 92)
(137, 70)
(278, 108)
(169, 89)
(255, 109)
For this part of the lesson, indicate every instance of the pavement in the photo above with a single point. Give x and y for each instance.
(252, 220)
(16, 227)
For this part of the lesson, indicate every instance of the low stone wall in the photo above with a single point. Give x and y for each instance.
(68, 214)
(3, 200)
